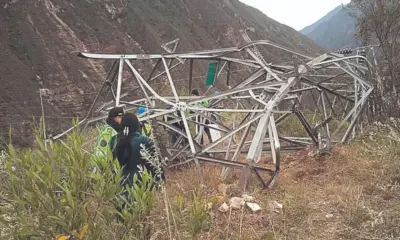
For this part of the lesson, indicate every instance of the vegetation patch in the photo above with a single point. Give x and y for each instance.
(60, 188)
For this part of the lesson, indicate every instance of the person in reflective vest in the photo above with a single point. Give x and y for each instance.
(202, 104)
(145, 125)
(108, 130)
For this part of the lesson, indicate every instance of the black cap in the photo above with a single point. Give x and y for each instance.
(116, 112)
(195, 92)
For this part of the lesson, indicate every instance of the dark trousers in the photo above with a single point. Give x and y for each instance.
(206, 129)
(126, 182)
(174, 136)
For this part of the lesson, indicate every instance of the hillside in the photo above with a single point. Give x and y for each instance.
(335, 30)
(309, 29)
(39, 39)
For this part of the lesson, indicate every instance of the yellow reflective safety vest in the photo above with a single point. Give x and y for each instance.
(104, 136)
(203, 104)
(146, 130)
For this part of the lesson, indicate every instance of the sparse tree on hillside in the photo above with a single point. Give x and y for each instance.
(380, 21)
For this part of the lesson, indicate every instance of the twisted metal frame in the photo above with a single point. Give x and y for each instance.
(333, 86)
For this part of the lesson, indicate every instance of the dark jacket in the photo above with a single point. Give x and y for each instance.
(178, 124)
(129, 156)
(116, 126)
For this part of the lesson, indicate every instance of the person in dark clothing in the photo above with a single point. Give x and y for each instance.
(195, 92)
(114, 118)
(173, 136)
(127, 145)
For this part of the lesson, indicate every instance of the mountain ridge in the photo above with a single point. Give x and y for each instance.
(335, 30)
(308, 29)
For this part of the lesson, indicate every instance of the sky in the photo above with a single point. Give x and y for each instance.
(295, 13)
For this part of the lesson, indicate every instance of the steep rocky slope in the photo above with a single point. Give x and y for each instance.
(39, 40)
(335, 30)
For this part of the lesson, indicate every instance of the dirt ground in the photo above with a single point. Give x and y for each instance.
(345, 195)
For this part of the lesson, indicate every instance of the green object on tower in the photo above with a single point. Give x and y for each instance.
(212, 70)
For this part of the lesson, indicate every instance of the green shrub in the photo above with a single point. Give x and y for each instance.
(137, 206)
(199, 219)
(58, 188)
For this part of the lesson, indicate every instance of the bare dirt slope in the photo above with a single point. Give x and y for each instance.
(39, 38)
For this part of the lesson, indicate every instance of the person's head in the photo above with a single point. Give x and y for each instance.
(116, 114)
(141, 110)
(130, 123)
(195, 92)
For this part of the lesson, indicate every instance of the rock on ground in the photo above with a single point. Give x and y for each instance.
(274, 206)
(254, 207)
(236, 203)
(223, 208)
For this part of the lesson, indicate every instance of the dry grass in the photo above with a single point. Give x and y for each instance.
(350, 194)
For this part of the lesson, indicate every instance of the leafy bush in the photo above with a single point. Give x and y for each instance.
(199, 219)
(59, 188)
